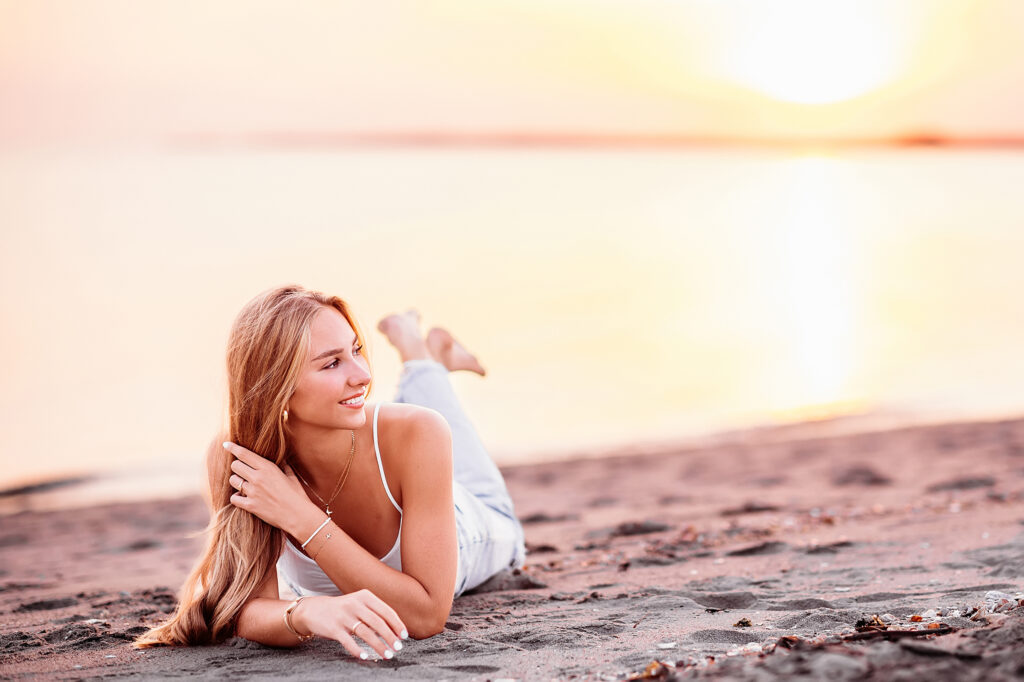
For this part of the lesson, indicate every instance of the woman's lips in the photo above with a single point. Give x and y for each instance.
(357, 403)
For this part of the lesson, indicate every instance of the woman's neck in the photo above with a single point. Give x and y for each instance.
(320, 455)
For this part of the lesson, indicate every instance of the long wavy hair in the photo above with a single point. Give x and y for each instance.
(267, 350)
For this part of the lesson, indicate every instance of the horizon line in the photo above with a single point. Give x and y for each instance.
(558, 139)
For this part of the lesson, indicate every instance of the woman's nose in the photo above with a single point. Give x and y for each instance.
(360, 376)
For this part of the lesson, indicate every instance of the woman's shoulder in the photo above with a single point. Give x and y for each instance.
(404, 428)
(397, 419)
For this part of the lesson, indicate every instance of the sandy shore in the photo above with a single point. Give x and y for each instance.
(753, 558)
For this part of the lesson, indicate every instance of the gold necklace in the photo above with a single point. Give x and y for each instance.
(341, 481)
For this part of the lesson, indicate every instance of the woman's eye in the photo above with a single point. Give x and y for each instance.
(358, 349)
(334, 363)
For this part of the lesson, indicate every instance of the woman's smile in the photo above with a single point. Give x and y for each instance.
(355, 402)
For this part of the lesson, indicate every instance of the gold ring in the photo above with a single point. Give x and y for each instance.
(352, 629)
(241, 488)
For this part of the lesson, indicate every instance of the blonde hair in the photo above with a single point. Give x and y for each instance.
(267, 349)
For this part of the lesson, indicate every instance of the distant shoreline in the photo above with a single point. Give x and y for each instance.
(567, 140)
(82, 490)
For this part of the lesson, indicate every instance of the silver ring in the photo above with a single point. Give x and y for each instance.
(352, 630)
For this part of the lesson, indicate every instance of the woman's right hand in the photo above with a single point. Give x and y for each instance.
(272, 493)
(358, 614)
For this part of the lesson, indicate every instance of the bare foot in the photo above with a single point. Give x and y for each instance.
(451, 353)
(403, 331)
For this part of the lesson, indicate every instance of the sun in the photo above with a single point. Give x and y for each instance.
(812, 51)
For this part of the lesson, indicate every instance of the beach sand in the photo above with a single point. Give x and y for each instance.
(751, 558)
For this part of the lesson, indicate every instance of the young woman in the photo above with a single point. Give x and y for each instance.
(375, 515)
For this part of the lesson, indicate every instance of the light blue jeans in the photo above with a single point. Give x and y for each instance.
(489, 534)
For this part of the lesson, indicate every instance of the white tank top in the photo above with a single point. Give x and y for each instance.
(305, 577)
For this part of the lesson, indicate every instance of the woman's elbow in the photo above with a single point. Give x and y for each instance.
(428, 624)
(249, 628)
(426, 629)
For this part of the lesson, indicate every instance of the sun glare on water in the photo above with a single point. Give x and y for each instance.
(814, 52)
(814, 290)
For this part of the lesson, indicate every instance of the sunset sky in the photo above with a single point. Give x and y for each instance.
(123, 72)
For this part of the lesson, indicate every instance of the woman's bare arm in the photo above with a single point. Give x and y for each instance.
(262, 620)
(422, 592)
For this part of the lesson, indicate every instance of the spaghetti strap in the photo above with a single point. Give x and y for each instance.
(376, 449)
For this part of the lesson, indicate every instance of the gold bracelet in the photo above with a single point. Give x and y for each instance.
(327, 537)
(288, 620)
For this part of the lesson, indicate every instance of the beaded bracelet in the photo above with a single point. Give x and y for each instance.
(288, 621)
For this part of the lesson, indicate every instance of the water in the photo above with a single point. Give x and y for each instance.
(617, 297)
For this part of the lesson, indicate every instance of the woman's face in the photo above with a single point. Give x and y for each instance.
(330, 392)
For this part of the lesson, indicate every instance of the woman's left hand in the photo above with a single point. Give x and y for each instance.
(265, 490)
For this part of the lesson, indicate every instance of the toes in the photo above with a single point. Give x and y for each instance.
(452, 354)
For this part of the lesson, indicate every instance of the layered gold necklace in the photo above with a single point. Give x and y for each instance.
(341, 481)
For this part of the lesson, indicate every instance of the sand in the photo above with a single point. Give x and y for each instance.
(750, 558)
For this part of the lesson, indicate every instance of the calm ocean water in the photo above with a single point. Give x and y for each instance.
(616, 297)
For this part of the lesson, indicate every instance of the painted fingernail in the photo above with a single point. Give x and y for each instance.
(362, 655)
(388, 653)
(226, 445)
(398, 645)
(405, 634)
